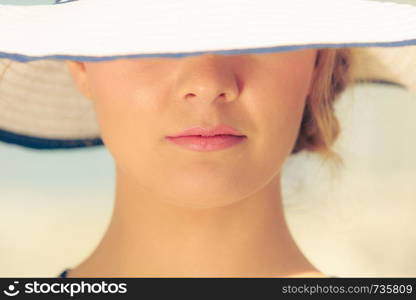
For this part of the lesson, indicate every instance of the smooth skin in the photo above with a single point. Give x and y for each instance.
(182, 213)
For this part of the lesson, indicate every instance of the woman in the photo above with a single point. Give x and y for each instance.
(206, 206)
(198, 143)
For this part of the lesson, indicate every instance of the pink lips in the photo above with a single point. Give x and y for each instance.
(207, 139)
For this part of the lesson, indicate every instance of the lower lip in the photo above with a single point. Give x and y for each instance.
(206, 143)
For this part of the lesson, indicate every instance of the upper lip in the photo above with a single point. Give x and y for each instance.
(203, 131)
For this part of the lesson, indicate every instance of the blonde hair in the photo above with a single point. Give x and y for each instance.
(320, 128)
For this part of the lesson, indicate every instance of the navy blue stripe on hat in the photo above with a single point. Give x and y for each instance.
(47, 144)
(27, 58)
(63, 1)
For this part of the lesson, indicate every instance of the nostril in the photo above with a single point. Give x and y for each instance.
(190, 96)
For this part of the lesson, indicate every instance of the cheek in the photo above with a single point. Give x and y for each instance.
(124, 113)
(280, 90)
(281, 110)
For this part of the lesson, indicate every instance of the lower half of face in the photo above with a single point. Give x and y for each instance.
(262, 96)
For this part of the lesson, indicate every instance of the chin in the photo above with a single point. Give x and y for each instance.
(203, 197)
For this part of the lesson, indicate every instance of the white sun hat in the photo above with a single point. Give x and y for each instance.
(41, 108)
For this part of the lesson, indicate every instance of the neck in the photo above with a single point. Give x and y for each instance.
(147, 237)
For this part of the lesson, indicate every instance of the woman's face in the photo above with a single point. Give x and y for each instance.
(139, 102)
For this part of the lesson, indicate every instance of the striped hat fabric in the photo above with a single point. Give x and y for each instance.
(41, 108)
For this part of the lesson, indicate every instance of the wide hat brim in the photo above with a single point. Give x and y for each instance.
(41, 108)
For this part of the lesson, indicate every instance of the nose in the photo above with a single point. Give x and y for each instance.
(204, 79)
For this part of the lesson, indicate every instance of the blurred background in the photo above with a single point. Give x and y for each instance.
(356, 221)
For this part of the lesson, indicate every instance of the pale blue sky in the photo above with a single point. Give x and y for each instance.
(25, 2)
(52, 168)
